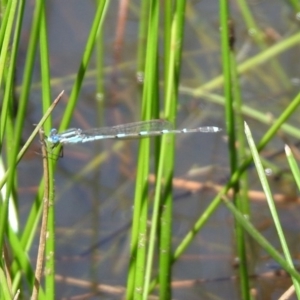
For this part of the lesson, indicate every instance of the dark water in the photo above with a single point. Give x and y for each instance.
(94, 194)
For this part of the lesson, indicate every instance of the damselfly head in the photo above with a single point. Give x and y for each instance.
(53, 138)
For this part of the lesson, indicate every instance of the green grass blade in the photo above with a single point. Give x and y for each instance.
(164, 192)
(6, 33)
(4, 286)
(136, 277)
(149, 108)
(48, 209)
(270, 200)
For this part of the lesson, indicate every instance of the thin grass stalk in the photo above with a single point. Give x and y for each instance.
(242, 200)
(139, 225)
(5, 262)
(226, 64)
(9, 138)
(7, 91)
(140, 73)
(168, 12)
(163, 192)
(5, 288)
(49, 183)
(154, 226)
(270, 201)
(243, 205)
(135, 280)
(5, 13)
(10, 14)
(142, 39)
(138, 231)
(227, 42)
(50, 270)
(43, 234)
(172, 69)
(149, 108)
(9, 84)
(155, 221)
(151, 86)
(4, 215)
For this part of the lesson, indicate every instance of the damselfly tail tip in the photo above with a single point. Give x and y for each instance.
(209, 129)
(216, 129)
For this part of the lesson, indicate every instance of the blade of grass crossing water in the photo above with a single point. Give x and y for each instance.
(6, 34)
(163, 192)
(270, 200)
(172, 67)
(136, 277)
(49, 164)
(232, 96)
(9, 14)
(141, 189)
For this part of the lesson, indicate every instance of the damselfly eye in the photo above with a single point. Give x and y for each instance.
(53, 131)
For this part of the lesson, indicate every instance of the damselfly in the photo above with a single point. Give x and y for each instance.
(126, 131)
